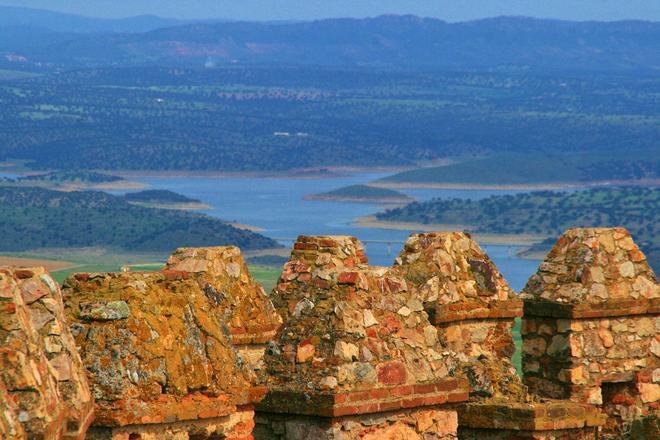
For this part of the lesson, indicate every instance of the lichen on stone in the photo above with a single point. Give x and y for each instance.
(156, 348)
(225, 279)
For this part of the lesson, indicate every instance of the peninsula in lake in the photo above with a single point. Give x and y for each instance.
(542, 214)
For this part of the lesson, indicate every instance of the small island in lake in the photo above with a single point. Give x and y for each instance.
(363, 194)
(161, 198)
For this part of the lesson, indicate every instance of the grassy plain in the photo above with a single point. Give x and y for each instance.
(266, 276)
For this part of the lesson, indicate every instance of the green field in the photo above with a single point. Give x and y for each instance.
(6, 75)
(517, 340)
(266, 276)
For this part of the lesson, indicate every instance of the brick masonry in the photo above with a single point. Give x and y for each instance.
(539, 420)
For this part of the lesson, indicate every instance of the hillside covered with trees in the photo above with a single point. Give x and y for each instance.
(525, 168)
(548, 213)
(37, 218)
(388, 41)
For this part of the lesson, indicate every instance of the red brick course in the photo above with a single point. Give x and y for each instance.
(465, 310)
(367, 401)
(609, 309)
(546, 416)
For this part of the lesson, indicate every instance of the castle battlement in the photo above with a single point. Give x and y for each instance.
(340, 349)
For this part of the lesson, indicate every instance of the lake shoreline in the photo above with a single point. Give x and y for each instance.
(245, 227)
(71, 187)
(192, 206)
(330, 172)
(47, 263)
(522, 186)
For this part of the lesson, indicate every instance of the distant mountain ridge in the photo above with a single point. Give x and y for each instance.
(16, 16)
(390, 41)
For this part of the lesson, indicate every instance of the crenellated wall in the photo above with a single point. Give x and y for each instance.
(340, 349)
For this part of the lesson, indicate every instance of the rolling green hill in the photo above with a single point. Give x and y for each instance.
(548, 213)
(36, 218)
(521, 169)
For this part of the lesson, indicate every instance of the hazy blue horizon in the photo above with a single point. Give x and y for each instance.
(260, 10)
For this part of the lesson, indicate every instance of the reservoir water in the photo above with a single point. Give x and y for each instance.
(278, 206)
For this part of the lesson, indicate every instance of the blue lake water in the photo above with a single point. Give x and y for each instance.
(278, 206)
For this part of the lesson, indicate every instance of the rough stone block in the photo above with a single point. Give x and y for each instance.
(224, 277)
(166, 358)
(41, 374)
